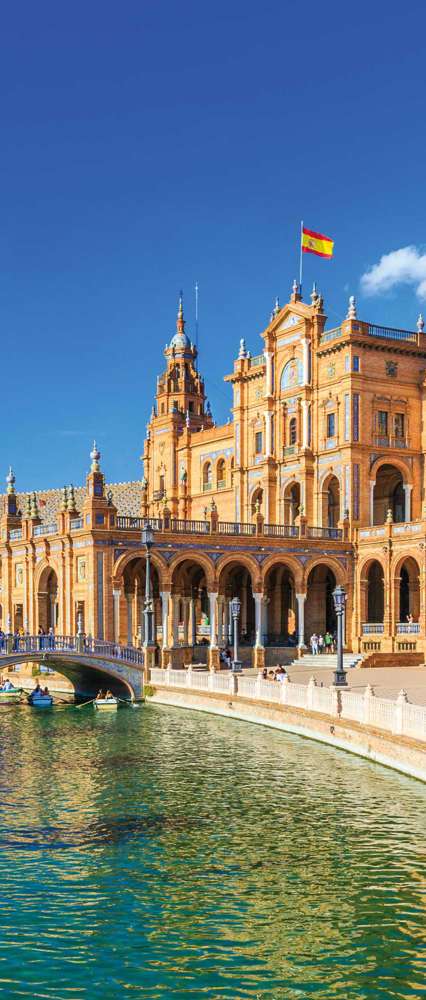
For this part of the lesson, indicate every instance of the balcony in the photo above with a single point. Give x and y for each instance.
(390, 333)
(45, 529)
(408, 628)
(221, 484)
(76, 523)
(290, 449)
(333, 533)
(207, 487)
(373, 628)
(389, 441)
(158, 495)
(15, 535)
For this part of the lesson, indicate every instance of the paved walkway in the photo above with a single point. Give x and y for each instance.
(385, 681)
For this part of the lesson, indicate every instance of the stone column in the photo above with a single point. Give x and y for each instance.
(220, 619)
(268, 433)
(192, 622)
(305, 413)
(301, 598)
(116, 605)
(165, 598)
(258, 600)
(305, 355)
(265, 605)
(175, 619)
(186, 621)
(372, 485)
(407, 505)
(269, 386)
(213, 618)
(244, 608)
(129, 618)
(135, 611)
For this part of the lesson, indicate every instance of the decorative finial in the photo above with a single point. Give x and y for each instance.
(187, 419)
(71, 497)
(314, 293)
(389, 516)
(295, 287)
(10, 480)
(180, 323)
(420, 323)
(351, 313)
(213, 505)
(95, 456)
(257, 506)
(64, 504)
(276, 308)
(34, 505)
(28, 506)
(243, 350)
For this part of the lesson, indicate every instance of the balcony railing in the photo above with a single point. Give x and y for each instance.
(331, 334)
(388, 441)
(259, 359)
(408, 628)
(194, 527)
(333, 533)
(373, 628)
(234, 528)
(221, 484)
(289, 449)
(130, 523)
(45, 529)
(281, 530)
(15, 535)
(390, 333)
(207, 487)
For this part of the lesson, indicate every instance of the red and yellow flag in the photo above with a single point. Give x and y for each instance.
(316, 243)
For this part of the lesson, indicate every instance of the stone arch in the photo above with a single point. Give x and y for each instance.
(320, 616)
(291, 374)
(340, 573)
(330, 500)
(195, 557)
(221, 472)
(406, 579)
(47, 597)
(207, 475)
(292, 501)
(372, 588)
(127, 557)
(291, 562)
(256, 499)
(242, 559)
(191, 583)
(389, 493)
(235, 576)
(281, 580)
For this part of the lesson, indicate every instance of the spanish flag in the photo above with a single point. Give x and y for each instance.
(316, 243)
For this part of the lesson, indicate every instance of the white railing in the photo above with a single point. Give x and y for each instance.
(75, 644)
(373, 628)
(398, 717)
(408, 628)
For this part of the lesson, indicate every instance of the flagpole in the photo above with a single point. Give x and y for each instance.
(301, 260)
(196, 315)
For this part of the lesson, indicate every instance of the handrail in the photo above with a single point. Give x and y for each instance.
(234, 528)
(69, 644)
(391, 333)
(333, 533)
(45, 529)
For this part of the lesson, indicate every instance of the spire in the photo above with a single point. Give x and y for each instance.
(180, 322)
(420, 324)
(64, 503)
(71, 497)
(28, 506)
(95, 456)
(34, 505)
(295, 292)
(314, 293)
(351, 313)
(243, 350)
(276, 308)
(10, 480)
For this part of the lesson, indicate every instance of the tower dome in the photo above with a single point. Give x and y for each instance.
(180, 341)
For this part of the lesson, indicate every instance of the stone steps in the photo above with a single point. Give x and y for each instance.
(328, 661)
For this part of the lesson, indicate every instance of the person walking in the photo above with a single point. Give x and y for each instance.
(320, 643)
(314, 643)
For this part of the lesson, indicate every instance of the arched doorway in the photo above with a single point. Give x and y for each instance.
(47, 600)
(235, 581)
(291, 498)
(320, 615)
(375, 593)
(331, 502)
(388, 494)
(280, 590)
(132, 625)
(409, 591)
(190, 611)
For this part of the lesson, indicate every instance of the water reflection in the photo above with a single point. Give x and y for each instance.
(171, 854)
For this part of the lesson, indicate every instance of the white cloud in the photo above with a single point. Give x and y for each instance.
(406, 266)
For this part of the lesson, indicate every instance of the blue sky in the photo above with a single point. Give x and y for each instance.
(149, 145)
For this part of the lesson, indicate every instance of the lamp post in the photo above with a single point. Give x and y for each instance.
(148, 541)
(235, 612)
(339, 598)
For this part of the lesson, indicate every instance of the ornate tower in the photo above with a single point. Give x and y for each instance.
(180, 410)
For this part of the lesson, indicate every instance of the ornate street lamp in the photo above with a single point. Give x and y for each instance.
(148, 541)
(339, 598)
(235, 612)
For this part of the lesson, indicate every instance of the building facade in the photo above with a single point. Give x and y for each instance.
(318, 479)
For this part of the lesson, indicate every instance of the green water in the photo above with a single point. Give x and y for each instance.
(159, 853)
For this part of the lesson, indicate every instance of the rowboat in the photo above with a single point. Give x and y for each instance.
(40, 700)
(106, 704)
(11, 697)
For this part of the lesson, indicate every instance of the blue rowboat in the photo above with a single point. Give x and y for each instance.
(40, 700)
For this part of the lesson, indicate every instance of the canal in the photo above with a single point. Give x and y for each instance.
(160, 853)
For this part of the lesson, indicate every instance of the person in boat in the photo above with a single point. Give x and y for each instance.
(108, 695)
(37, 693)
(100, 695)
(46, 693)
(8, 686)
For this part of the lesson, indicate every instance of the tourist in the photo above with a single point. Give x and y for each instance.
(320, 643)
(410, 619)
(51, 638)
(228, 657)
(264, 674)
(45, 693)
(281, 673)
(271, 675)
(8, 686)
(109, 695)
(314, 643)
(100, 695)
(328, 641)
(37, 691)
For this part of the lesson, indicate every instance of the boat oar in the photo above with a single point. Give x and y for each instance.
(86, 703)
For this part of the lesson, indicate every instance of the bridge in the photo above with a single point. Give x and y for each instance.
(88, 663)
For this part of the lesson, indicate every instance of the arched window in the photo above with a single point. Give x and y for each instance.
(292, 431)
(207, 476)
(221, 474)
(256, 500)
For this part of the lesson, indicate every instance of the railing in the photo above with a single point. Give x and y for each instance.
(76, 523)
(156, 523)
(196, 527)
(15, 534)
(130, 523)
(331, 334)
(373, 628)
(259, 359)
(207, 487)
(281, 530)
(221, 484)
(386, 441)
(408, 628)
(389, 332)
(398, 717)
(289, 449)
(234, 528)
(333, 533)
(75, 644)
(45, 529)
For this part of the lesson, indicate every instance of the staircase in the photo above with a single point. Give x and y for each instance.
(327, 661)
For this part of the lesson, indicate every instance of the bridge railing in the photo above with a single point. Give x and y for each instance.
(85, 645)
